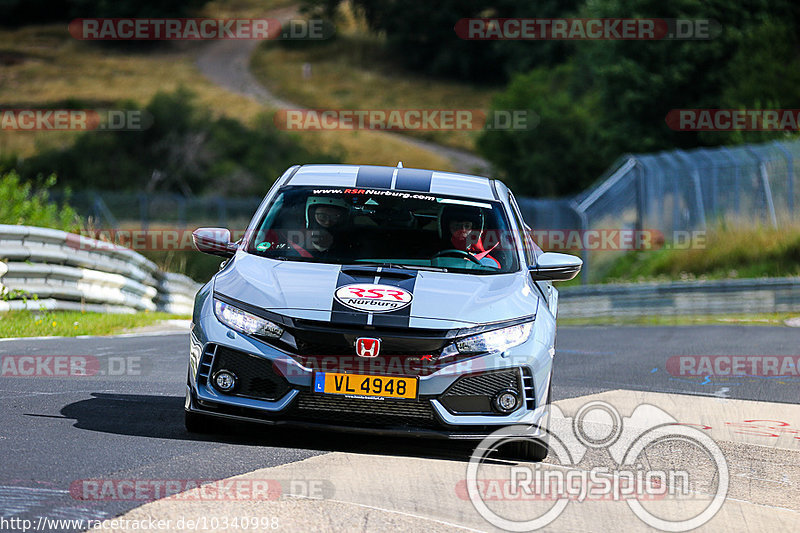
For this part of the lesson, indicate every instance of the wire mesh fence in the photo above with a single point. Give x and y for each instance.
(675, 194)
(666, 195)
(141, 211)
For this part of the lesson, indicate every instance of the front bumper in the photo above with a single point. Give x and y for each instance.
(283, 396)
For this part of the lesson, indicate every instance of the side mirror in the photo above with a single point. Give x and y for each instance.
(214, 241)
(552, 266)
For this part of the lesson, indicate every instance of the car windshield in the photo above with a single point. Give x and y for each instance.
(388, 228)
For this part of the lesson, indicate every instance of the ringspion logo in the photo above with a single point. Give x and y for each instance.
(683, 492)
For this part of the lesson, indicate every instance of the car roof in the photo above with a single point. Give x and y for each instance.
(394, 178)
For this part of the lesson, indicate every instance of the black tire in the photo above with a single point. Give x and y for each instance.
(197, 423)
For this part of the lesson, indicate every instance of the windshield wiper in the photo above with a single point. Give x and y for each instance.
(401, 266)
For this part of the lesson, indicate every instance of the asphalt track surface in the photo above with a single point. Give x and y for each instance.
(56, 431)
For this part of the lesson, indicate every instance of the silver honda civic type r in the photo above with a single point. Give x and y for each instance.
(378, 299)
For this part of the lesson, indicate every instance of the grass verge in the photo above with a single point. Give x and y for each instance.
(730, 251)
(74, 323)
(758, 319)
(43, 66)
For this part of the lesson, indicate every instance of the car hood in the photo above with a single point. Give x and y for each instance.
(438, 299)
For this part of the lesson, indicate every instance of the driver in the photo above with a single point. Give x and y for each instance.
(325, 222)
(462, 228)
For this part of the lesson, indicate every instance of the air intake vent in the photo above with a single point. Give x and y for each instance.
(205, 364)
(256, 377)
(473, 394)
(527, 387)
(361, 412)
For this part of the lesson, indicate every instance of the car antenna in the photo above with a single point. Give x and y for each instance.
(399, 164)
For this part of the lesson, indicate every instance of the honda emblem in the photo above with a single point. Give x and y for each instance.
(367, 347)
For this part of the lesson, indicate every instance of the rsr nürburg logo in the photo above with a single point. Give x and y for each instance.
(373, 298)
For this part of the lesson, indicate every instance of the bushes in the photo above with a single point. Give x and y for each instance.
(20, 204)
(186, 150)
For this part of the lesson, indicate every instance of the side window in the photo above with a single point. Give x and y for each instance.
(520, 226)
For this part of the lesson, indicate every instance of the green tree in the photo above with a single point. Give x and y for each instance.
(615, 96)
(639, 82)
(563, 152)
(421, 36)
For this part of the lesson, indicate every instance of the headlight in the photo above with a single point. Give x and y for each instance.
(245, 322)
(498, 340)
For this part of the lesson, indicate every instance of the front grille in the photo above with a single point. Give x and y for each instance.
(474, 393)
(363, 412)
(256, 377)
(312, 337)
(403, 351)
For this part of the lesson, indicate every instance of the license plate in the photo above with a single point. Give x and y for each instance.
(363, 385)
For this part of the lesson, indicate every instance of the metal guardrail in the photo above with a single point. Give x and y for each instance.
(72, 272)
(764, 295)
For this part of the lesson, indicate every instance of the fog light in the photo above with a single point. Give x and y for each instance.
(224, 381)
(506, 401)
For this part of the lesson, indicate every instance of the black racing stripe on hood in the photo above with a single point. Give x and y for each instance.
(401, 317)
(374, 177)
(340, 314)
(412, 179)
